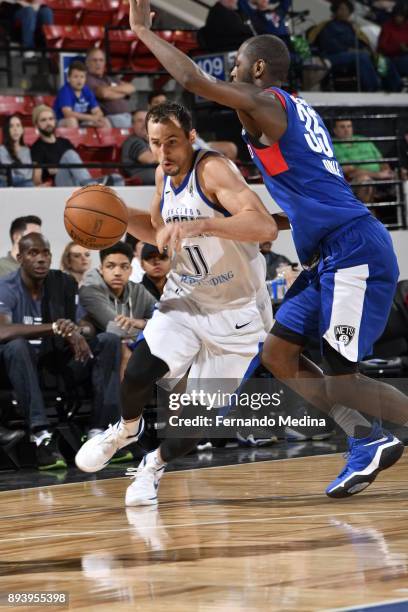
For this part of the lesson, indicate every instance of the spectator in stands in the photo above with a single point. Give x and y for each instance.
(13, 151)
(26, 19)
(19, 227)
(111, 93)
(52, 149)
(76, 261)
(224, 29)
(267, 18)
(359, 150)
(226, 147)
(273, 260)
(113, 302)
(156, 266)
(136, 151)
(38, 332)
(393, 40)
(380, 10)
(75, 104)
(347, 47)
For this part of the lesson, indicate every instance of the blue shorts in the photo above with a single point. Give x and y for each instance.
(347, 299)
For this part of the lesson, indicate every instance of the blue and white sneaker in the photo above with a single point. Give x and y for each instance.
(143, 491)
(96, 453)
(366, 458)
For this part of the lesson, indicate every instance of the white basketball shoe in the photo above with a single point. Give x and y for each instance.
(143, 491)
(96, 453)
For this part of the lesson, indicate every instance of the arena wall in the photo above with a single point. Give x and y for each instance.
(48, 203)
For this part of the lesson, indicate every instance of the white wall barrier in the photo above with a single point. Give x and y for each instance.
(48, 203)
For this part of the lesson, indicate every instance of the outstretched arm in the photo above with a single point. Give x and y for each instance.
(244, 97)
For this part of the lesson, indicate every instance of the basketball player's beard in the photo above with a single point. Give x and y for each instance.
(174, 172)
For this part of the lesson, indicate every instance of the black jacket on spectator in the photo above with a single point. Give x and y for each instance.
(49, 153)
(151, 287)
(224, 30)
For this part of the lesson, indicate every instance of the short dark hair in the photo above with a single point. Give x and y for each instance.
(336, 3)
(20, 224)
(273, 51)
(76, 65)
(154, 94)
(163, 112)
(120, 247)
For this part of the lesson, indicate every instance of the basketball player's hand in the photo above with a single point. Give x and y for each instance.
(79, 347)
(140, 15)
(169, 238)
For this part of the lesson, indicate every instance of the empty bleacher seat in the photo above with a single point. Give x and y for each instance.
(22, 105)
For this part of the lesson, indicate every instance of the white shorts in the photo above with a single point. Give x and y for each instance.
(215, 346)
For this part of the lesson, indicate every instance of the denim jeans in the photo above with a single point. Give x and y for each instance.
(22, 364)
(31, 22)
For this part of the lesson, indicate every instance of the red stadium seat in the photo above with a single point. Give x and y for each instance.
(30, 135)
(114, 138)
(21, 105)
(66, 12)
(120, 46)
(185, 40)
(48, 100)
(99, 12)
(94, 33)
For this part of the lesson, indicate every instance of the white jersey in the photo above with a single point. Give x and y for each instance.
(215, 273)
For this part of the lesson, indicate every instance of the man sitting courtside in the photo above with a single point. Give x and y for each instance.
(38, 332)
(19, 227)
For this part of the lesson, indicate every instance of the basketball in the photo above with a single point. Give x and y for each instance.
(95, 217)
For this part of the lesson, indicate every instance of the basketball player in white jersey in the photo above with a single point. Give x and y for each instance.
(210, 222)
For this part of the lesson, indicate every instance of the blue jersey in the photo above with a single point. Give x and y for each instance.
(301, 173)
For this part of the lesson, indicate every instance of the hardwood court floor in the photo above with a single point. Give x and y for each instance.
(251, 537)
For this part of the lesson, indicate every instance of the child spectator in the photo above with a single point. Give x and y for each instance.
(75, 104)
(13, 151)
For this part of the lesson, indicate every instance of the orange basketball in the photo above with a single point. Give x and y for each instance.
(95, 217)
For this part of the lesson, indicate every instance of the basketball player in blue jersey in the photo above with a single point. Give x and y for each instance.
(350, 272)
(209, 318)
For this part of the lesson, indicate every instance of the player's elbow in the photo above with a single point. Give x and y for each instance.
(269, 231)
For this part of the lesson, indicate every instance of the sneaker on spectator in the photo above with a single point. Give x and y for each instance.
(48, 455)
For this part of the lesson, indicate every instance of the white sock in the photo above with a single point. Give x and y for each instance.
(348, 419)
(132, 427)
(40, 436)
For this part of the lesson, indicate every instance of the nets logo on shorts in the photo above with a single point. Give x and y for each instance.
(344, 333)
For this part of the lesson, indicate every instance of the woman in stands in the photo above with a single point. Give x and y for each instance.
(13, 151)
(76, 261)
